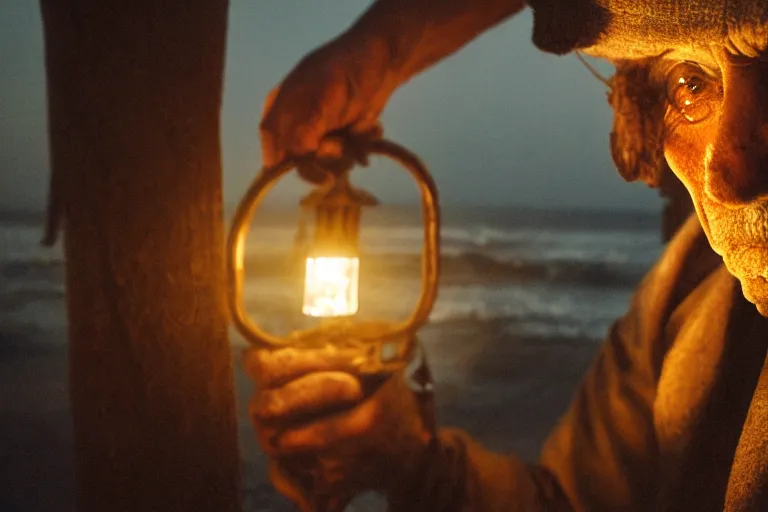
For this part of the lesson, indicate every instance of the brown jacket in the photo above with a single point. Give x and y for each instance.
(669, 417)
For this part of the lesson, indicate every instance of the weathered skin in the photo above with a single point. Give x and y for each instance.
(715, 139)
(346, 83)
(722, 159)
(309, 404)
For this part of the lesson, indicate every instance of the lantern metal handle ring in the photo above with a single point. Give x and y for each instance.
(362, 332)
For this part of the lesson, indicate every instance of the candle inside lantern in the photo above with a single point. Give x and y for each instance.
(332, 265)
(330, 286)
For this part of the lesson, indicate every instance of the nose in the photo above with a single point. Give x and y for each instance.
(737, 170)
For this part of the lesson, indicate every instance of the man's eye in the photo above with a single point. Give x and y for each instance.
(692, 92)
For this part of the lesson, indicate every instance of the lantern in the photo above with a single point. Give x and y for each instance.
(333, 263)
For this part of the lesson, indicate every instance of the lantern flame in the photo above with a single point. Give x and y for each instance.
(330, 286)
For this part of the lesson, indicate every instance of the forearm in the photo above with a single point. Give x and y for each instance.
(462, 476)
(419, 33)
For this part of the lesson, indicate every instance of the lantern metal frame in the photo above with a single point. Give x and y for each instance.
(388, 344)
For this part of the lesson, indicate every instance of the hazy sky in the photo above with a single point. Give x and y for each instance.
(499, 123)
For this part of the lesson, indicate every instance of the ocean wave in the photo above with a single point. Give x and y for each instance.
(473, 267)
(527, 309)
(614, 268)
(529, 242)
(587, 273)
(21, 295)
(32, 268)
(522, 321)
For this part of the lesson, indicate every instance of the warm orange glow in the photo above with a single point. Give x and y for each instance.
(330, 286)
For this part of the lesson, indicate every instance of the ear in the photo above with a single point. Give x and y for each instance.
(637, 137)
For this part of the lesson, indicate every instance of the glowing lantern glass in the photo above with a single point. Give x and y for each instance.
(332, 270)
(330, 286)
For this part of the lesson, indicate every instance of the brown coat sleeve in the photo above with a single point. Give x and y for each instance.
(464, 476)
(602, 455)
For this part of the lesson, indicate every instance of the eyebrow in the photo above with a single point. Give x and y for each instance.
(665, 61)
(659, 66)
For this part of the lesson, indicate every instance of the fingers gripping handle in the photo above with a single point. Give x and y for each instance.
(330, 481)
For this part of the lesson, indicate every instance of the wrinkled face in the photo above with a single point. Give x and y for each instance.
(716, 142)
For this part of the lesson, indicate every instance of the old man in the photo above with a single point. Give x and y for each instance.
(673, 414)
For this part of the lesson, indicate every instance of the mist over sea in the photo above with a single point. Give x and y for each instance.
(525, 298)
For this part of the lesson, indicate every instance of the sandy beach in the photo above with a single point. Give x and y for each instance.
(506, 390)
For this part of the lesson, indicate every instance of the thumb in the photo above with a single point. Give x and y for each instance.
(269, 101)
(270, 155)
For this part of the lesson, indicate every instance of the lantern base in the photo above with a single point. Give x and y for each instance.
(379, 352)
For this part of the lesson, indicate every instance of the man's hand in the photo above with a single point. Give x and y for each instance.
(342, 86)
(333, 434)
(345, 84)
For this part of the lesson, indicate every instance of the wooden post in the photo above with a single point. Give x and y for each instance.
(134, 93)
